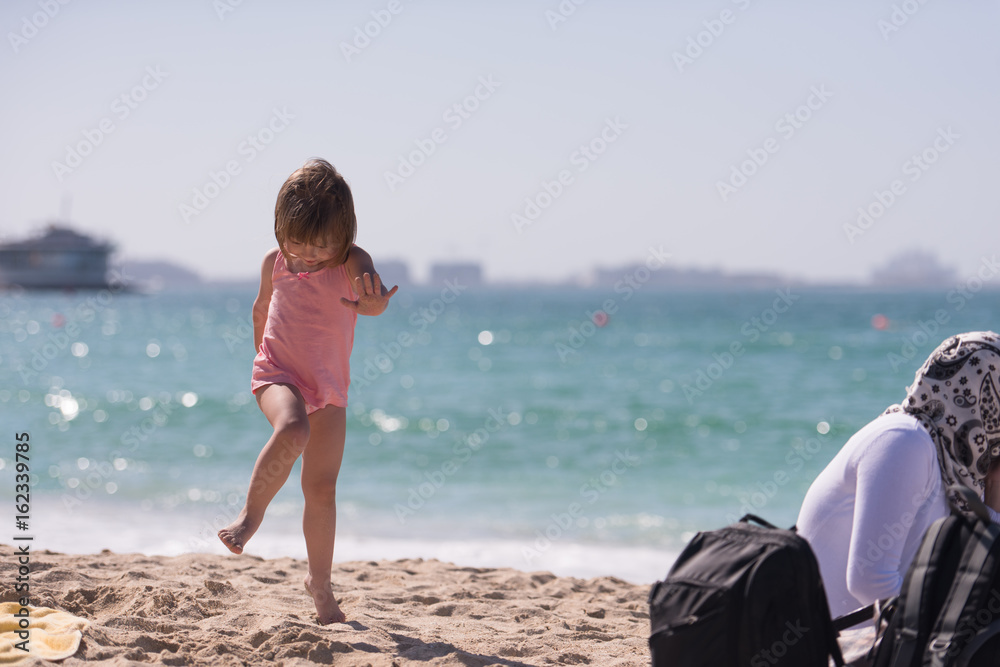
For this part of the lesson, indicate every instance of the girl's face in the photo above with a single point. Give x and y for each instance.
(308, 254)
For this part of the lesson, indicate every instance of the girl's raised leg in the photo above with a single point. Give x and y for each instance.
(320, 467)
(285, 409)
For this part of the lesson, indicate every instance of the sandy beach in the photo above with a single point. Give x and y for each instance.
(209, 610)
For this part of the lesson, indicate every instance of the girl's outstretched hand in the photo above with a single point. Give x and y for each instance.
(371, 300)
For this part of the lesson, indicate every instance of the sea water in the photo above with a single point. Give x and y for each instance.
(584, 432)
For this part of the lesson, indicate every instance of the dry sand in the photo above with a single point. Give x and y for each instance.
(213, 611)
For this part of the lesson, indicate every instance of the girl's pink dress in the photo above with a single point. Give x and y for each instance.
(308, 336)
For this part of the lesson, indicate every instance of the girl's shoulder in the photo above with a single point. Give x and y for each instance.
(358, 261)
(267, 267)
(270, 258)
(356, 252)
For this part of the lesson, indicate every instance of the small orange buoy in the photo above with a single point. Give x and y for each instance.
(600, 318)
(880, 322)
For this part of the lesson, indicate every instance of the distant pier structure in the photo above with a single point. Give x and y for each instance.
(59, 258)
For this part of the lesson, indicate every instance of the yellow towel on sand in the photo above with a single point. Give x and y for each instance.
(52, 634)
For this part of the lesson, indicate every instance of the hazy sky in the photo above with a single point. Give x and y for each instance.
(188, 87)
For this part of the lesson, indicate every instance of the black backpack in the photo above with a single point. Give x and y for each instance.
(947, 613)
(743, 596)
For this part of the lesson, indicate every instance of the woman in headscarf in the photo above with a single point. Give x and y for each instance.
(866, 513)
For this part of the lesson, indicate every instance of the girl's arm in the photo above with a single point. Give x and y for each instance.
(372, 294)
(263, 300)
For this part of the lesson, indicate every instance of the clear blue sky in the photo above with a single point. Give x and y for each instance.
(609, 67)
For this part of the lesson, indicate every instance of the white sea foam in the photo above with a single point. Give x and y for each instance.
(98, 525)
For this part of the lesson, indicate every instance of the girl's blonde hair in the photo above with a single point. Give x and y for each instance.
(315, 206)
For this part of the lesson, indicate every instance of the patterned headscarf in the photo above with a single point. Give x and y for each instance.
(954, 395)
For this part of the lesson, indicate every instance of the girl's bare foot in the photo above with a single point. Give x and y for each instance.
(236, 534)
(326, 605)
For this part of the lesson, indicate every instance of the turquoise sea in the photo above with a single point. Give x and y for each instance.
(486, 427)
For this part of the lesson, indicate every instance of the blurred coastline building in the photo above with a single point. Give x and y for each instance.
(914, 269)
(393, 272)
(157, 276)
(59, 258)
(669, 278)
(469, 274)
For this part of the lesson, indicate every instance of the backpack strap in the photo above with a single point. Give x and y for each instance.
(835, 654)
(854, 617)
(976, 643)
(747, 518)
(970, 571)
(830, 629)
(909, 628)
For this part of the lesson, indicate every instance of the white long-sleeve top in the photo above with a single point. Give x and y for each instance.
(866, 513)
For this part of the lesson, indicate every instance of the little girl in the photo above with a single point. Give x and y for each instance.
(312, 287)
